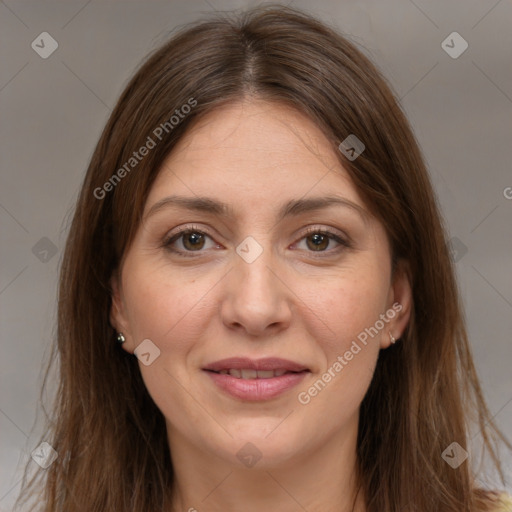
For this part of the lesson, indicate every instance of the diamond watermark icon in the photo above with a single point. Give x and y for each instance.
(147, 352)
(454, 455)
(44, 250)
(454, 45)
(249, 455)
(249, 250)
(351, 147)
(44, 455)
(44, 45)
(457, 249)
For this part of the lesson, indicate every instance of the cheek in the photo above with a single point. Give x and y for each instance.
(344, 306)
(172, 309)
(349, 359)
(349, 305)
(166, 305)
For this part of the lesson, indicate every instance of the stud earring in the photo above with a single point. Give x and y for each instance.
(392, 338)
(120, 338)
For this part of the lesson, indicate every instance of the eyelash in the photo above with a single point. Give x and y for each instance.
(168, 241)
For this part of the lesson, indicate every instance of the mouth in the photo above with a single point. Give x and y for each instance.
(247, 365)
(247, 373)
(255, 380)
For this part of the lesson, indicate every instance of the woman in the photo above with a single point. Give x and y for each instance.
(257, 307)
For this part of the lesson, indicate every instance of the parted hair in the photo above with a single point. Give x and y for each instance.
(425, 394)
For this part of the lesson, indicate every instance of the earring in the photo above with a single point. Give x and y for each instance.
(392, 338)
(120, 338)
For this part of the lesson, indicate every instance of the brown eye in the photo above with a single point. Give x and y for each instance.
(322, 241)
(189, 241)
(317, 241)
(193, 241)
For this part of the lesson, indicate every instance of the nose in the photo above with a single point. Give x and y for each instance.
(256, 299)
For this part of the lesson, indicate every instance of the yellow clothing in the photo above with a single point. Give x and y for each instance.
(505, 504)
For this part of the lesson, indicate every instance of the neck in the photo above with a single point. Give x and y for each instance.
(324, 479)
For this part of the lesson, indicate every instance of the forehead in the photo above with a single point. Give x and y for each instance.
(254, 152)
(254, 129)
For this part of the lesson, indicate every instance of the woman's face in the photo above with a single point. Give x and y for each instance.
(280, 268)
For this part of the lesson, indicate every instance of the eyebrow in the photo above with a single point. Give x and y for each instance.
(292, 208)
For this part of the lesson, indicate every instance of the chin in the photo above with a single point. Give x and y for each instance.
(261, 445)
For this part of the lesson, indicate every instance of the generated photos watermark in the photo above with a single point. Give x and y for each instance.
(454, 455)
(44, 455)
(305, 397)
(151, 142)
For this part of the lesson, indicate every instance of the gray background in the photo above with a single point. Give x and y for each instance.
(52, 111)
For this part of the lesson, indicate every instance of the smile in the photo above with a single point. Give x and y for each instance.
(255, 380)
(253, 374)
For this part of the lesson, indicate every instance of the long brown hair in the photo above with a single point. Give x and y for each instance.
(109, 434)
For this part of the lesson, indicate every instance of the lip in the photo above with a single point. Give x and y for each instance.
(268, 363)
(256, 389)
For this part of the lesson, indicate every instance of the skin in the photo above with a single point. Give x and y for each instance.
(291, 302)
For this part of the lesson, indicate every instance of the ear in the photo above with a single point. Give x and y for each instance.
(118, 318)
(399, 301)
